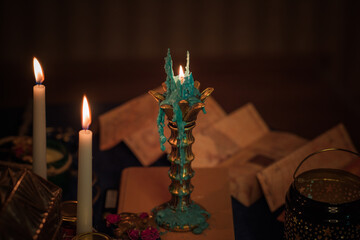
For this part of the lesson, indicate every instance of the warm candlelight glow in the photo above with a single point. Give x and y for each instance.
(181, 75)
(39, 75)
(86, 116)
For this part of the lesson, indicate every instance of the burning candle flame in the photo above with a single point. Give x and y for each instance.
(86, 116)
(181, 75)
(39, 75)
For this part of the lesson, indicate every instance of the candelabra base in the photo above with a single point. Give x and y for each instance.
(190, 218)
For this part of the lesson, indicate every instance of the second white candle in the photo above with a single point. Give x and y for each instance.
(84, 192)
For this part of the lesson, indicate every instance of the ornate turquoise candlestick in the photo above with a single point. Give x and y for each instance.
(181, 102)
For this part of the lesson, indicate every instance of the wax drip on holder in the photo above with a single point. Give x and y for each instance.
(181, 102)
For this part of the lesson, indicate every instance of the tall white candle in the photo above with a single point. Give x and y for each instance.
(39, 123)
(84, 193)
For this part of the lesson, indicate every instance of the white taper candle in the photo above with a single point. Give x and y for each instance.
(84, 192)
(39, 123)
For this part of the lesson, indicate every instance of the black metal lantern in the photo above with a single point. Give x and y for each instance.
(323, 204)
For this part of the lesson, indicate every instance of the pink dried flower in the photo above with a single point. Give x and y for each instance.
(150, 234)
(112, 219)
(133, 234)
(144, 215)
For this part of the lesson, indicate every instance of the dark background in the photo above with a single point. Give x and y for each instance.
(297, 61)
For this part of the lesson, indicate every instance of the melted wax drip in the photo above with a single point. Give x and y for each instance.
(193, 216)
(160, 124)
(174, 94)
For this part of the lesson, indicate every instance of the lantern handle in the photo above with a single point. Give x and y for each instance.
(321, 151)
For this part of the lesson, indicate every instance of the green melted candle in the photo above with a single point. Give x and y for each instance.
(174, 94)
